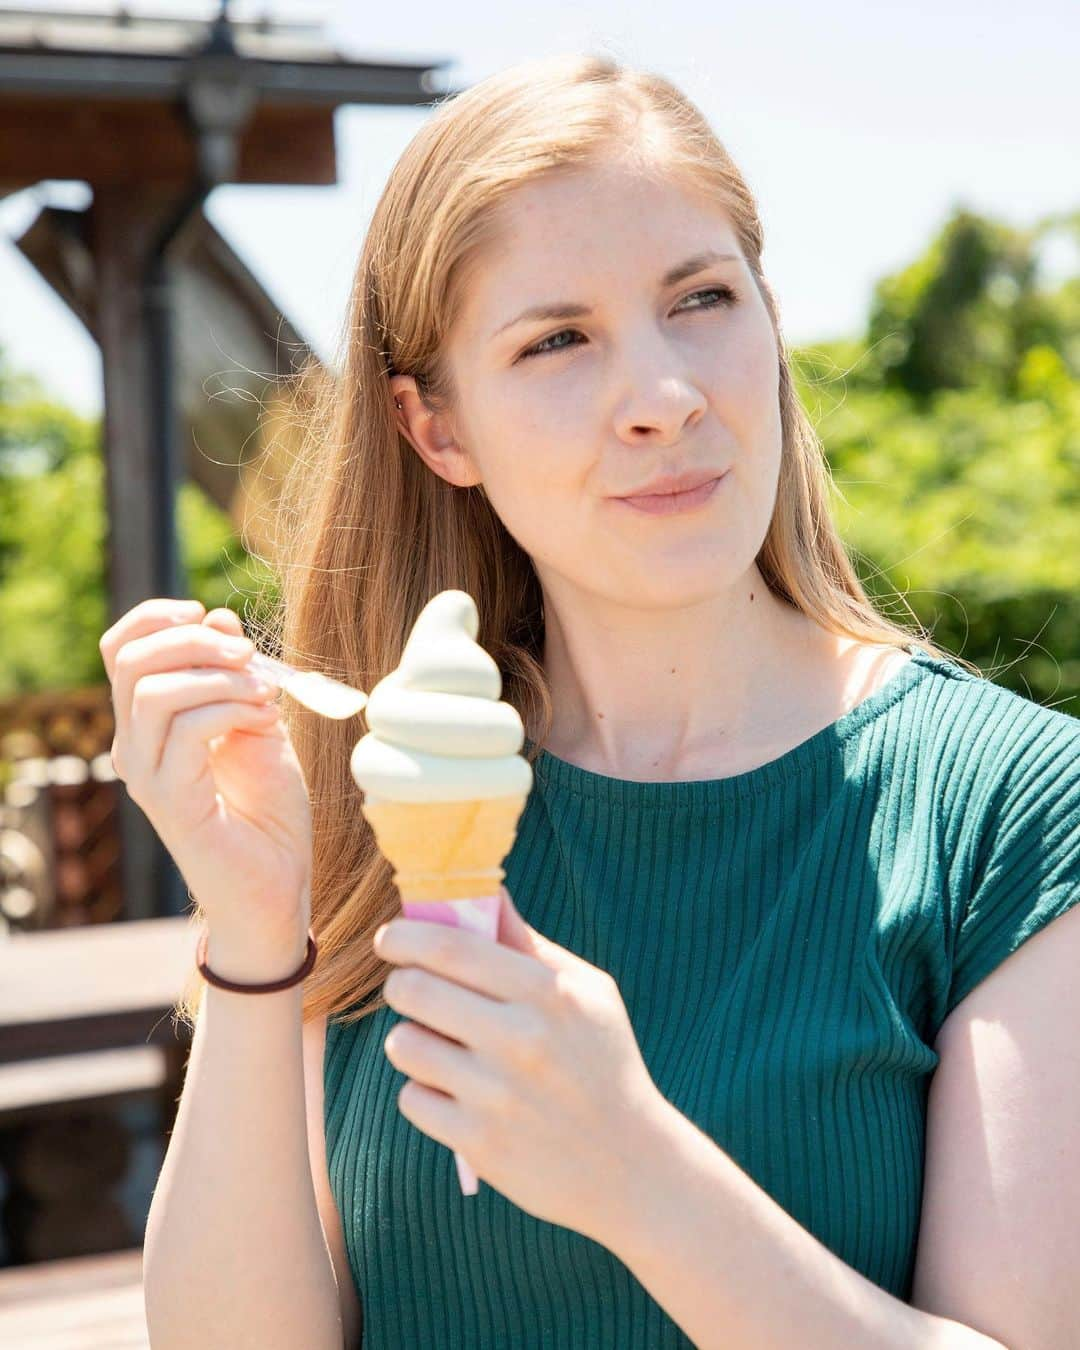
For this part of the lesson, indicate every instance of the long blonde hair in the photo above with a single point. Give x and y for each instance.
(367, 533)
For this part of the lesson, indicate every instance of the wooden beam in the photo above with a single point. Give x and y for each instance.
(123, 227)
(124, 143)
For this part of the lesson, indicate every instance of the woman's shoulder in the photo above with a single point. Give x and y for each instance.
(1022, 714)
(1005, 743)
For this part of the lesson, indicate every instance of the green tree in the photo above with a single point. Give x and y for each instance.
(952, 428)
(966, 313)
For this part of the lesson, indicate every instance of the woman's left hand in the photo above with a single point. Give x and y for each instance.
(521, 1057)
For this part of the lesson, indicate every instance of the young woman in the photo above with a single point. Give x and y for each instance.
(749, 1066)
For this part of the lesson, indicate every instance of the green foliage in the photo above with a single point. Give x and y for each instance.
(52, 592)
(952, 429)
(969, 511)
(966, 313)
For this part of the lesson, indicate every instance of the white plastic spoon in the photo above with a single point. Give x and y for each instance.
(318, 692)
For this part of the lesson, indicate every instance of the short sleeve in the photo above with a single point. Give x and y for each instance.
(1028, 869)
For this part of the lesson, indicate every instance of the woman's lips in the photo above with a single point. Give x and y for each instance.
(672, 503)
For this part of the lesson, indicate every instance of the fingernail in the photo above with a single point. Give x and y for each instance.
(239, 646)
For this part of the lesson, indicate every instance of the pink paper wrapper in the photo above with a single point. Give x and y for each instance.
(479, 915)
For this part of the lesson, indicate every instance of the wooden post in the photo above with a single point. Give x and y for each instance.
(124, 222)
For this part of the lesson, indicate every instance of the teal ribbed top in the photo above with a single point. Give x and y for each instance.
(788, 942)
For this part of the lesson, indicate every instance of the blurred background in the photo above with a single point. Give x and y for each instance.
(184, 189)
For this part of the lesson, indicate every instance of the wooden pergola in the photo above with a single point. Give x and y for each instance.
(152, 114)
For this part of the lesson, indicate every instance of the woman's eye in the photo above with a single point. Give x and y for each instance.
(543, 347)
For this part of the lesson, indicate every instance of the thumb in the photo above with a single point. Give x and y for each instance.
(515, 932)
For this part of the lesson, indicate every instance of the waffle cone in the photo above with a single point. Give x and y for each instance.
(451, 850)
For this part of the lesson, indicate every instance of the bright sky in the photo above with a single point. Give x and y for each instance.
(858, 127)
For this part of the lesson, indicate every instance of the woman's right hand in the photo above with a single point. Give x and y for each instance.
(204, 754)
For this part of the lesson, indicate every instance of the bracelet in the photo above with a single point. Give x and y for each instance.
(272, 987)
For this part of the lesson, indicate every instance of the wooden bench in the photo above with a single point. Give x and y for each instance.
(92, 988)
(87, 1303)
(36, 1088)
(85, 1024)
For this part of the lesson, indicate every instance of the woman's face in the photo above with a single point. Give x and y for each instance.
(559, 415)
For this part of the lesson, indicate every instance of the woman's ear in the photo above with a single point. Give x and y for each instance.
(431, 436)
(401, 385)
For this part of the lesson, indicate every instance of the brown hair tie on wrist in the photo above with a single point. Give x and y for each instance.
(287, 983)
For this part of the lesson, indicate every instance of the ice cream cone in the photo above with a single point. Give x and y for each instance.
(443, 781)
(449, 850)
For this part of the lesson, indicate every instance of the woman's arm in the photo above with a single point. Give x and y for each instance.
(734, 1269)
(234, 1254)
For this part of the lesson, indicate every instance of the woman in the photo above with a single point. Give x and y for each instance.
(775, 846)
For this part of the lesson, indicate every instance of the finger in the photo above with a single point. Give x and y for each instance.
(144, 618)
(436, 1062)
(186, 755)
(435, 1114)
(447, 1008)
(175, 648)
(159, 698)
(224, 620)
(472, 960)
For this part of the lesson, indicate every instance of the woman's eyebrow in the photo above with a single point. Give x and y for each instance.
(566, 309)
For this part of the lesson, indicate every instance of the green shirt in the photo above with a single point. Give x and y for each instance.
(788, 942)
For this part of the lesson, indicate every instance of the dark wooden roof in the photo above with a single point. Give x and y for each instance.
(144, 57)
(101, 98)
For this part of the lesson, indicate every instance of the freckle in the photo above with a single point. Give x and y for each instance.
(751, 597)
(673, 670)
(599, 714)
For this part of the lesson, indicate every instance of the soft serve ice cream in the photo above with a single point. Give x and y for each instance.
(443, 783)
(437, 728)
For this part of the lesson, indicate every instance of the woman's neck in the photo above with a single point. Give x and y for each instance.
(664, 695)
